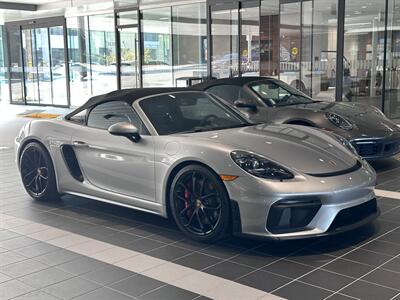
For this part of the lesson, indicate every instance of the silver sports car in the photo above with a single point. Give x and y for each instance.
(186, 154)
(264, 99)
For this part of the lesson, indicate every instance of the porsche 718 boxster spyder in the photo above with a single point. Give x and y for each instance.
(264, 99)
(186, 154)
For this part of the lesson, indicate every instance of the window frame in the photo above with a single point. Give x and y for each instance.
(90, 109)
(273, 81)
(255, 97)
(216, 99)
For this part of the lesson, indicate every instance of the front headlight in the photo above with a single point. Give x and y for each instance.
(260, 166)
(339, 121)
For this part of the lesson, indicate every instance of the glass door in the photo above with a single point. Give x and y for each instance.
(392, 76)
(30, 66)
(15, 67)
(290, 43)
(250, 38)
(225, 41)
(128, 49)
(43, 64)
(128, 65)
(37, 63)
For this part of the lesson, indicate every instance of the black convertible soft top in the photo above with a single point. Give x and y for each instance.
(127, 95)
(231, 81)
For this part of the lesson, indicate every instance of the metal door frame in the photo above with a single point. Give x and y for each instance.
(139, 44)
(213, 5)
(33, 24)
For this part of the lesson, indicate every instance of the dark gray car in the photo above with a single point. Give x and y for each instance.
(264, 99)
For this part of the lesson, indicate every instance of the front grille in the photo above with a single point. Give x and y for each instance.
(370, 148)
(354, 214)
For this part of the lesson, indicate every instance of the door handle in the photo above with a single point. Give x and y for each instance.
(79, 144)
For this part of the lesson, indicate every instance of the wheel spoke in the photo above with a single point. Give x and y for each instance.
(184, 210)
(199, 221)
(28, 156)
(180, 197)
(35, 158)
(194, 183)
(32, 181)
(207, 218)
(202, 185)
(212, 207)
(39, 161)
(28, 163)
(29, 173)
(208, 196)
(190, 220)
(37, 184)
(40, 184)
(181, 184)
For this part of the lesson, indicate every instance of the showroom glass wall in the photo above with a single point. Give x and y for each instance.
(292, 40)
(3, 67)
(330, 49)
(92, 56)
(174, 44)
(298, 41)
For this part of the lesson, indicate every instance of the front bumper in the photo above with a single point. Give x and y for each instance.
(377, 148)
(328, 199)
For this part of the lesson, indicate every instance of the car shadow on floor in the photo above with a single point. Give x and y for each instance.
(102, 220)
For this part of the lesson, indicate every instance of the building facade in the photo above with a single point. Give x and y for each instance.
(335, 50)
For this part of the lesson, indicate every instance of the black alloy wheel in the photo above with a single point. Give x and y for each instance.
(200, 204)
(37, 172)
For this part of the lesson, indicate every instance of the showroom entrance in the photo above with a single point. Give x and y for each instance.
(37, 62)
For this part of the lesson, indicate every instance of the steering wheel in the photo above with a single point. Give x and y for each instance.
(210, 119)
(285, 98)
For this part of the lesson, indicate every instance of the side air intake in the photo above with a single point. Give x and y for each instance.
(72, 162)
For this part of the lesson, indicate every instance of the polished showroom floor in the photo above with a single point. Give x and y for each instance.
(76, 248)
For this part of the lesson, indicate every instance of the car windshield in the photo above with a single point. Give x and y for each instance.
(279, 94)
(187, 112)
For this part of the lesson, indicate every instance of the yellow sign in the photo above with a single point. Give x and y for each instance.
(295, 51)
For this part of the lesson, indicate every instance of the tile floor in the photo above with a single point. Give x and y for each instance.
(76, 248)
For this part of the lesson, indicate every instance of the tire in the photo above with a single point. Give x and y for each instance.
(203, 214)
(37, 173)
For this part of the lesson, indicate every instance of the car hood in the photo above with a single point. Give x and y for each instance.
(367, 122)
(299, 148)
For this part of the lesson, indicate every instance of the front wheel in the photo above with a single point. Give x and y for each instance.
(200, 204)
(37, 172)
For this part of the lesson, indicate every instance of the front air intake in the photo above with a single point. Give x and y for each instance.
(292, 215)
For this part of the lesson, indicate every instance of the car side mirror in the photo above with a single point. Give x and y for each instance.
(125, 129)
(244, 104)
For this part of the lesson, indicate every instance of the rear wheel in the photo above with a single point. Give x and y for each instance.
(37, 172)
(200, 204)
